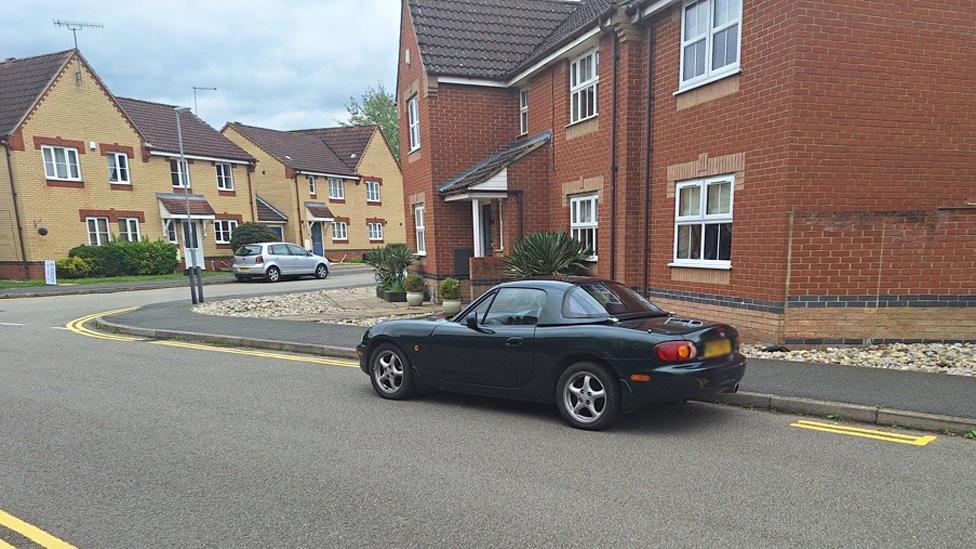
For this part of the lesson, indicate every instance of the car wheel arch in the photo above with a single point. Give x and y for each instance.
(566, 361)
(382, 339)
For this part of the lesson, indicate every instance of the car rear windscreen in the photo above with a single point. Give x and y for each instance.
(248, 250)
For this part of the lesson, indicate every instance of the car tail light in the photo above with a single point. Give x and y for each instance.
(675, 351)
(259, 260)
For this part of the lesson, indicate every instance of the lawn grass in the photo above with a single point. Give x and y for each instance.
(36, 282)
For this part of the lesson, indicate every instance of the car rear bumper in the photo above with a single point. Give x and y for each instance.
(247, 270)
(678, 383)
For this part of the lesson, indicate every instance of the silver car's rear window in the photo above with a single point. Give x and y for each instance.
(251, 249)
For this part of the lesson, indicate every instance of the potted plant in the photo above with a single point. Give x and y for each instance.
(451, 295)
(415, 289)
(389, 267)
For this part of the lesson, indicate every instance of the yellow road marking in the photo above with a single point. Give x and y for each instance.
(5, 545)
(873, 434)
(32, 533)
(78, 326)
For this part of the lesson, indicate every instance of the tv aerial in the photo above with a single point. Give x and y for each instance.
(75, 26)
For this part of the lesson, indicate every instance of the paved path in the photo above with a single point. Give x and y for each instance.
(109, 444)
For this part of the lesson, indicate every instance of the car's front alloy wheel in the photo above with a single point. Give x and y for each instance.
(321, 271)
(587, 396)
(390, 373)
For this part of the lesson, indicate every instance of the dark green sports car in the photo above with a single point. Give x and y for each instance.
(593, 347)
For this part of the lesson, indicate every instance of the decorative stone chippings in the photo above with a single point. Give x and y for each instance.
(943, 358)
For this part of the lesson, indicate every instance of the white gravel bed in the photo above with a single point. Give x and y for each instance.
(944, 358)
(296, 304)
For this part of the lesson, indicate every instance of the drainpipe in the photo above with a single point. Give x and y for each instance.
(298, 200)
(250, 193)
(13, 194)
(648, 156)
(613, 156)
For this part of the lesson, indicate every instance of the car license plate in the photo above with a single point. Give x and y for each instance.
(244, 269)
(718, 347)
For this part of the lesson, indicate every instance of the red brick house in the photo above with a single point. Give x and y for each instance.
(835, 140)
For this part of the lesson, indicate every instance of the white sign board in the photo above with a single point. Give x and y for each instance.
(50, 273)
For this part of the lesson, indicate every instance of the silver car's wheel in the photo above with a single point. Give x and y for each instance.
(584, 397)
(388, 372)
(321, 271)
(273, 274)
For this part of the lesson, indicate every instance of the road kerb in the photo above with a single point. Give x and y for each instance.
(219, 339)
(855, 412)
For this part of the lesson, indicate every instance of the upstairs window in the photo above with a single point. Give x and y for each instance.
(178, 173)
(584, 221)
(61, 163)
(312, 190)
(703, 222)
(225, 177)
(118, 168)
(373, 191)
(413, 122)
(523, 112)
(129, 229)
(710, 39)
(584, 87)
(337, 191)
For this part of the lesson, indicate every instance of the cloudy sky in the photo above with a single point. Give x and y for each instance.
(277, 63)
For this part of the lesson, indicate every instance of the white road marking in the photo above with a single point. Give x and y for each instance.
(10, 324)
(60, 328)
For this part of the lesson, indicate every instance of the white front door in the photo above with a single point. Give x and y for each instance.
(193, 244)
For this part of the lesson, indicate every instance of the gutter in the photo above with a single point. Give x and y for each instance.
(648, 158)
(613, 155)
(298, 203)
(13, 195)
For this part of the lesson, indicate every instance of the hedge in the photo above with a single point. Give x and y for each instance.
(122, 258)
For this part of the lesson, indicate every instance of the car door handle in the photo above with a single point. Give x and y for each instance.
(514, 342)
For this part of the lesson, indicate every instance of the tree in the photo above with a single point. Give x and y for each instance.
(251, 233)
(376, 106)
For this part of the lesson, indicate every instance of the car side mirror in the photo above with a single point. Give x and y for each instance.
(309, 253)
(471, 321)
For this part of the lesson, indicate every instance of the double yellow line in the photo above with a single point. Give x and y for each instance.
(885, 436)
(30, 532)
(78, 326)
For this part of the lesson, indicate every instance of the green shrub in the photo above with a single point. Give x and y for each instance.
(74, 267)
(390, 265)
(547, 254)
(450, 288)
(414, 283)
(251, 233)
(122, 258)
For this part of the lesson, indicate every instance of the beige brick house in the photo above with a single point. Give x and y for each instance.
(337, 191)
(81, 166)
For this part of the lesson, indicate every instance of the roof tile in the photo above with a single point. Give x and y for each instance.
(22, 81)
(295, 150)
(487, 168)
(348, 142)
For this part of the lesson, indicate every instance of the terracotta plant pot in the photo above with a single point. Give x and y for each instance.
(415, 299)
(451, 306)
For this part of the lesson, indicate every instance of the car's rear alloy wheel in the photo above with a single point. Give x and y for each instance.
(273, 274)
(390, 373)
(588, 397)
(321, 271)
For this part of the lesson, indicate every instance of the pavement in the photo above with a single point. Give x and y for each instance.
(845, 390)
(122, 443)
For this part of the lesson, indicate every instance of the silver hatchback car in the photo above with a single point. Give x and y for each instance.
(274, 260)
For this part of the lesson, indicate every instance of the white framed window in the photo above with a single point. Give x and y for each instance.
(703, 222)
(223, 230)
(420, 229)
(169, 228)
(710, 40)
(340, 230)
(225, 177)
(179, 173)
(375, 231)
(523, 112)
(413, 122)
(118, 168)
(584, 86)
(61, 163)
(373, 191)
(337, 190)
(98, 234)
(584, 221)
(312, 189)
(129, 229)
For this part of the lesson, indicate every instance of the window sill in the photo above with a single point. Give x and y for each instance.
(411, 151)
(374, 203)
(337, 200)
(716, 267)
(711, 79)
(581, 121)
(70, 183)
(340, 241)
(421, 254)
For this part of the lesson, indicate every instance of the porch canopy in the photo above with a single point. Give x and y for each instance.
(487, 181)
(318, 211)
(174, 206)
